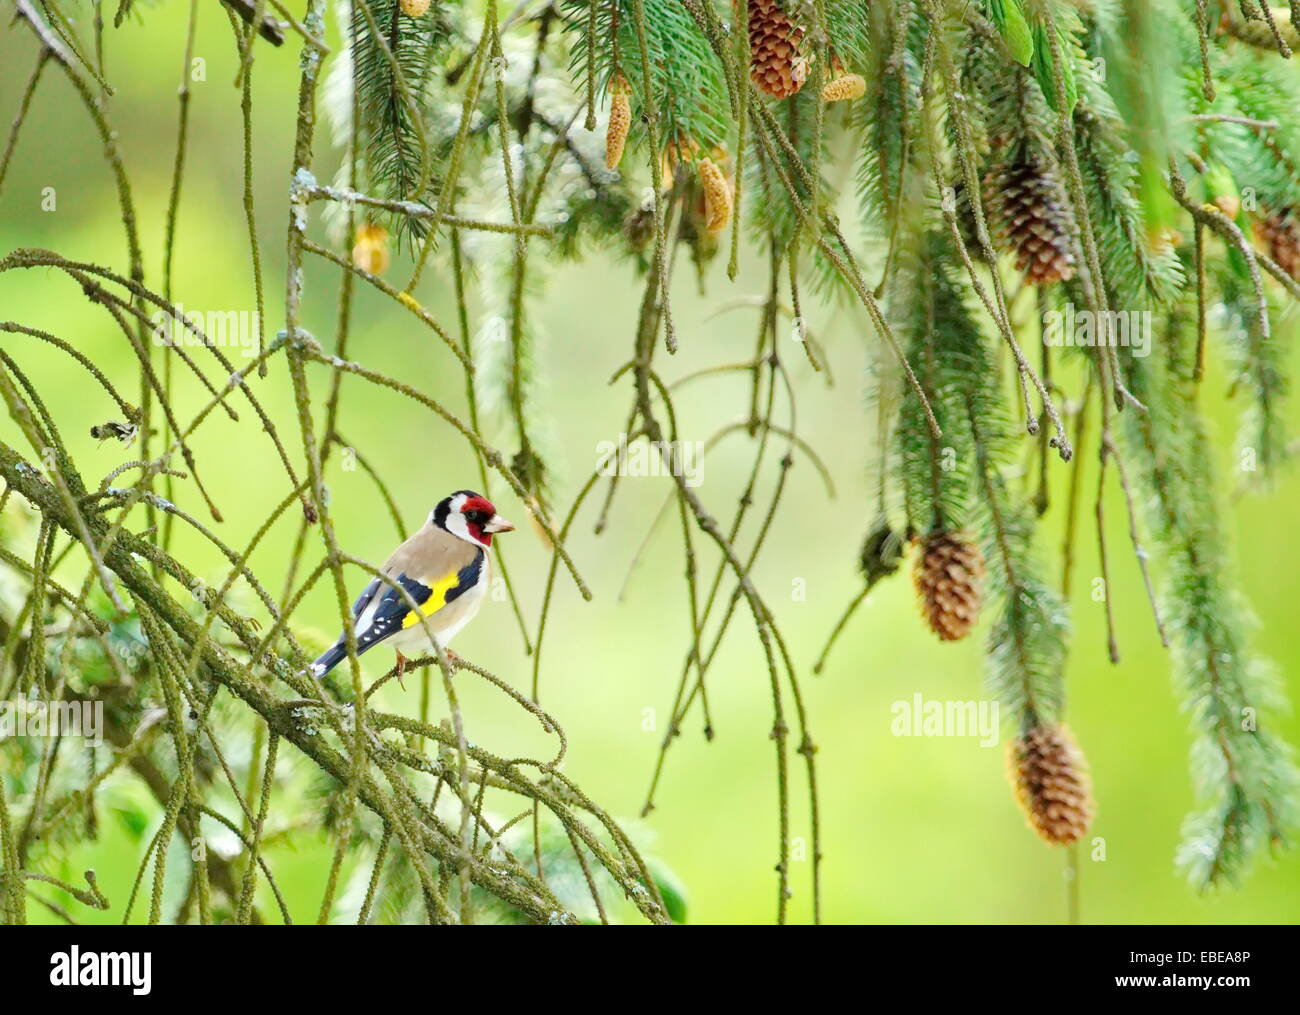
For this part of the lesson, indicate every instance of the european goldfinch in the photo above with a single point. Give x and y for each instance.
(444, 568)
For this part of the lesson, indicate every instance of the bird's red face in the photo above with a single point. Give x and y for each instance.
(481, 519)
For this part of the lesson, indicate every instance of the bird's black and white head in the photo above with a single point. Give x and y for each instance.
(469, 516)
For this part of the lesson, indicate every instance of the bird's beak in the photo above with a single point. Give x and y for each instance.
(498, 524)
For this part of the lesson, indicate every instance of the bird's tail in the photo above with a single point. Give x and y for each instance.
(332, 656)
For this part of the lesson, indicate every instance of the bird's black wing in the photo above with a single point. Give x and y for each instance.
(378, 612)
(390, 608)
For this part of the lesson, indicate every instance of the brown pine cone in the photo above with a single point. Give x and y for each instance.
(1050, 777)
(1029, 204)
(949, 579)
(775, 62)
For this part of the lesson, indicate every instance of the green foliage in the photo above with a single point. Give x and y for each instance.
(1010, 21)
(393, 65)
(1245, 775)
(1139, 273)
(687, 84)
(771, 216)
(1260, 381)
(1029, 636)
(1265, 159)
(1044, 64)
(849, 33)
(938, 476)
(962, 484)
(883, 117)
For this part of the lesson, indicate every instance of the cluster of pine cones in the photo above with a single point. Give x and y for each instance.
(1045, 766)
(1024, 195)
(778, 67)
(1031, 216)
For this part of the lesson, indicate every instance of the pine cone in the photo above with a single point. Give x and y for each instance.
(370, 250)
(1280, 235)
(717, 196)
(846, 86)
(1050, 776)
(775, 63)
(949, 575)
(620, 119)
(414, 8)
(1029, 202)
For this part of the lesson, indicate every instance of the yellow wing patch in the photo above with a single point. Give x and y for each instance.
(436, 601)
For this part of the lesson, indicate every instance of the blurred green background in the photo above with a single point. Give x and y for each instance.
(915, 829)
